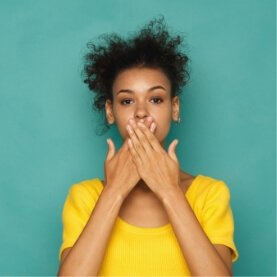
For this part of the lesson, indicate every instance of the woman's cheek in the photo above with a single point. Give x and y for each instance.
(122, 129)
(161, 133)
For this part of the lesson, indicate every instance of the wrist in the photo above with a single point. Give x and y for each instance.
(113, 193)
(116, 191)
(171, 196)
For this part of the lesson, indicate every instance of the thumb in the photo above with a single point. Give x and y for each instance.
(171, 150)
(111, 149)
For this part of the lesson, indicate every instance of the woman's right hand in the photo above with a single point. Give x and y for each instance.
(120, 170)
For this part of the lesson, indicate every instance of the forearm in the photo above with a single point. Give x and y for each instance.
(200, 254)
(85, 257)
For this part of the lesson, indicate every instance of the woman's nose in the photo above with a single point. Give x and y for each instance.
(141, 112)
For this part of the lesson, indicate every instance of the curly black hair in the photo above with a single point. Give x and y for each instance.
(152, 47)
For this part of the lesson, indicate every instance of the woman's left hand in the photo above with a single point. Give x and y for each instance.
(159, 169)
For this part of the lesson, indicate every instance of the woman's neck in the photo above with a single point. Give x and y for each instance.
(142, 187)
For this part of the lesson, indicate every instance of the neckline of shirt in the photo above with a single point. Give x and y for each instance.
(148, 230)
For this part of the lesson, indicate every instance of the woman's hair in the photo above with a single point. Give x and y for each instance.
(152, 47)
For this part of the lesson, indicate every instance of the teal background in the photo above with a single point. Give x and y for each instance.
(47, 139)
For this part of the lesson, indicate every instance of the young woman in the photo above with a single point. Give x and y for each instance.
(147, 217)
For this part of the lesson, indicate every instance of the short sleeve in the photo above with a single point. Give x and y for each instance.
(217, 219)
(76, 212)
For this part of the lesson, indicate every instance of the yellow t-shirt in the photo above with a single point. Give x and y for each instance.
(136, 251)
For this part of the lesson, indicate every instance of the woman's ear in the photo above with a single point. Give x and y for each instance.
(175, 108)
(109, 111)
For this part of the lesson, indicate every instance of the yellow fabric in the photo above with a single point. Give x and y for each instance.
(135, 251)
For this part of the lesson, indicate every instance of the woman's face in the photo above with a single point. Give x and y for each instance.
(139, 93)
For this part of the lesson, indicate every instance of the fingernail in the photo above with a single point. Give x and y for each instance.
(132, 121)
(153, 127)
(130, 142)
(141, 125)
(129, 129)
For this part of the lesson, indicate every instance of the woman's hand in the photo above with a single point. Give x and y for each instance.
(159, 169)
(120, 170)
(85, 257)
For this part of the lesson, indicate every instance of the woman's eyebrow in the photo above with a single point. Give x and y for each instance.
(157, 87)
(124, 91)
(131, 91)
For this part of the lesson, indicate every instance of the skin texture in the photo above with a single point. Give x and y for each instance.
(143, 109)
(142, 93)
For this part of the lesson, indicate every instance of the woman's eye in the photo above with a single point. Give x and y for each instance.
(126, 102)
(156, 100)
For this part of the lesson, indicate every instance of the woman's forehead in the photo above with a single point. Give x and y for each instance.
(146, 78)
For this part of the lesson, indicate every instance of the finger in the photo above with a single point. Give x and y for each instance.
(171, 150)
(148, 121)
(139, 140)
(136, 157)
(153, 127)
(111, 149)
(133, 137)
(151, 138)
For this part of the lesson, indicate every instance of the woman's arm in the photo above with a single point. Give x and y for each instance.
(202, 257)
(160, 171)
(86, 256)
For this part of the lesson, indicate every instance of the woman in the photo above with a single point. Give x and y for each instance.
(148, 217)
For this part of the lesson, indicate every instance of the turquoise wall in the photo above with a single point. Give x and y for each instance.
(47, 140)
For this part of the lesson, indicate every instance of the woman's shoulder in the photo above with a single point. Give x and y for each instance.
(207, 187)
(204, 192)
(200, 184)
(86, 189)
